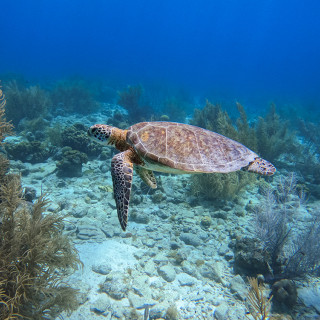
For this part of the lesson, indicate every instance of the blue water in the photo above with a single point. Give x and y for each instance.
(252, 51)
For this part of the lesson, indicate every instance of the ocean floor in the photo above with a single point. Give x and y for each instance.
(176, 257)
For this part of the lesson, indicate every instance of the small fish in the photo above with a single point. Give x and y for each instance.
(146, 308)
(146, 313)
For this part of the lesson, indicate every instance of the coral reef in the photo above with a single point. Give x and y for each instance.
(34, 253)
(33, 152)
(71, 163)
(76, 138)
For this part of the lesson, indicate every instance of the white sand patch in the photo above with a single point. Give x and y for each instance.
(119, 256)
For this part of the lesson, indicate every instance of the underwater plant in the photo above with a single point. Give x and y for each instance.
(173, 109)
(22, 102)
(259, 305)
(5, 130)
(35, 255)
(226, 186)
(220, 186)
(294, 253)
(131, 99)
(307, 162)
(274, 136)
(73, 96)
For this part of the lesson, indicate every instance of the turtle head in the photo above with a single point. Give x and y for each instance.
(101, 133)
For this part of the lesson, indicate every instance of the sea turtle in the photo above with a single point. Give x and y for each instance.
(172, 148)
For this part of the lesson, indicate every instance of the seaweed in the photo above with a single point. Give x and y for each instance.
(213, 118)
(274, 136)
(34, 253)
(220, 186)
(22, 102)
(130, 99)
(223, 186)
(293, 254)
(258, 303)
(71, 96)
(5, 130)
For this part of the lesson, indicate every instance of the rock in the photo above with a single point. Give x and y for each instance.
(174, 246)
(158, 311)
(189, 268)
(285, 292)
(221, 311)
(89, 232)
(161, 258)
(150, 268)
(238, 287)
(150, 243)
(310, 296)
(167, 273)
(101, 304)
(186, 280)
(206, 222)
(162, 214)
(250, 257)
(212, 271)
(115, 286)
(223, 249)
(109, 233)
(102, 268)
(139, 217)
(30, 194)
(190, 239)
(78, 212)
(137, 302)
(220, 215)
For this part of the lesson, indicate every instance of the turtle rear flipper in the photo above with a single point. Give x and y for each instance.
(261, 166)
(122, 172)
(147, 176)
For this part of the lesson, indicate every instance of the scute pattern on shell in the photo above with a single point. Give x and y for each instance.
(188, 148)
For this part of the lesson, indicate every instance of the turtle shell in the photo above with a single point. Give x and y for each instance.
(187, 148)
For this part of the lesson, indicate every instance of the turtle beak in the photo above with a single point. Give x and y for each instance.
(91, 132)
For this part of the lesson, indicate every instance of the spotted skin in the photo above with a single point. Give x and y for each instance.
(122, 172)
(261, 166)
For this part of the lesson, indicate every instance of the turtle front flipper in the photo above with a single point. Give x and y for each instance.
(146, 176)
(122, 172)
